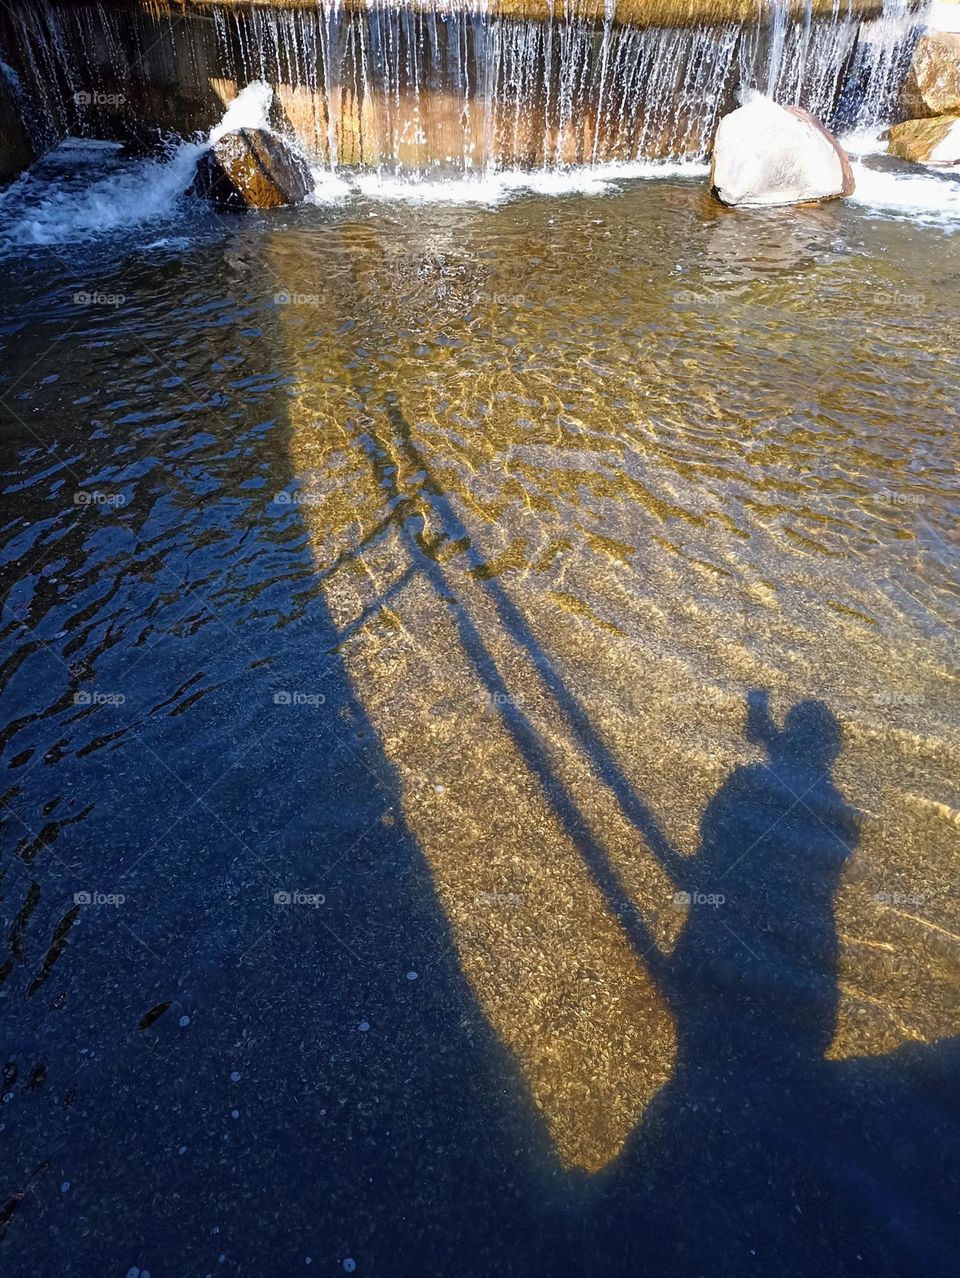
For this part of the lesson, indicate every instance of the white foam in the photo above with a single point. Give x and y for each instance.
(328, 188)
(927, 195)
(446, 190)
(863, 142)
(496, 188)
(140, 192)
(655, 169)
(917, 191)
(250, 109)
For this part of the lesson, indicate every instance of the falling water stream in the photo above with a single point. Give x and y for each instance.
(451, 88)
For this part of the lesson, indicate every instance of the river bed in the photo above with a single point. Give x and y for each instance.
(481, 723)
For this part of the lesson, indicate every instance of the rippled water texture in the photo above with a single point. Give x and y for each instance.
(481, 737)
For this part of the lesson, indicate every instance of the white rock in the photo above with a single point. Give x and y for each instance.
(766, 154)
(947, 151)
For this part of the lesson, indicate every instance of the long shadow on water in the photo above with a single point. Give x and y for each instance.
(412, 1146)
(405, 1145)
(760, 1155)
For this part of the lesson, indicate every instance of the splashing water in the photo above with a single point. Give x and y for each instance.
(58, 203)
(250, 109)
(919, 192)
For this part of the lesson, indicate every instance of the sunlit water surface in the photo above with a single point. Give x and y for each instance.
(394, 872)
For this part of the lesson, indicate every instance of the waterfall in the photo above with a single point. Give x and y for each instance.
(455, 87)
(879, 65)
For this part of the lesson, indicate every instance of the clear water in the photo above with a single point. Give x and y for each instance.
(480, 730)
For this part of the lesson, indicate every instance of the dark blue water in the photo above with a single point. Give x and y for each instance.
(306, 962)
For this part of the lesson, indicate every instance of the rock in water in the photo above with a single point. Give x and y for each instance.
(932, 86)
(935, 141)
(252, 168)
(768, 154)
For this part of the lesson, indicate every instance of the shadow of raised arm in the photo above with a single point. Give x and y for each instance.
(602, 760)
(760, 729)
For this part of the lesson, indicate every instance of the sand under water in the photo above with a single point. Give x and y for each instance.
(481, 728)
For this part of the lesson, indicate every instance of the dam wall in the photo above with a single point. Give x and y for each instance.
(421, 89)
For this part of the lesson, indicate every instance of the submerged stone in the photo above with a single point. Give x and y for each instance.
(252, 168)
(766, 154)
(930, 141)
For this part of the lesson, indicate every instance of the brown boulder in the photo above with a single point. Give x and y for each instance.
(932, 86)
(254, 169)
(935, 141)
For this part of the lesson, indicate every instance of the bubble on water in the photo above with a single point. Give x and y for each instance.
(363, 1026)
(411, 976)
(235, 1076)
(183, 1022)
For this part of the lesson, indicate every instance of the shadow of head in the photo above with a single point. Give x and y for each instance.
(810, 736)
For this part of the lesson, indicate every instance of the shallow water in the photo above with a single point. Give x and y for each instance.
(404, 607)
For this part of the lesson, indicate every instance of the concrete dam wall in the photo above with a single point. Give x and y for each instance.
(430, 88)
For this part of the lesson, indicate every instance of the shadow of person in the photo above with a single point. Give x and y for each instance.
(760, 1156)
(754, 969)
